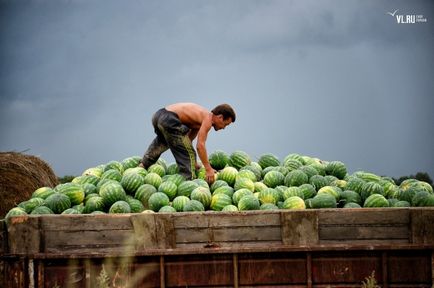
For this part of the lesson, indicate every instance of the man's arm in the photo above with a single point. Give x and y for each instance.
(201, 149)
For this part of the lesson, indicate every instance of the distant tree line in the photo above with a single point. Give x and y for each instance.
(65, 179)
(421, 176)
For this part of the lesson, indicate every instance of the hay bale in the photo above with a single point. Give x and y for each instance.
(20, 175)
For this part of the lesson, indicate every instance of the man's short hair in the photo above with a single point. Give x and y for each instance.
(225, 110)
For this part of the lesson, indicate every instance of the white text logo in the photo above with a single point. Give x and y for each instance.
(407, 18)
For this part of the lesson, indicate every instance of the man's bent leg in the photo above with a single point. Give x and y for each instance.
(155, 149)
(184, 154)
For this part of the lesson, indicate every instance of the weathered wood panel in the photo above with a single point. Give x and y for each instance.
(360, 232)
(299, 227)
(24, 235)
(366, 216)
(422, 225)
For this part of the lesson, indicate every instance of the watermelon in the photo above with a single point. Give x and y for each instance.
(230, 208)
(308, 170)
(16, 211)
(324, 200)
(420, 198)
(154, 179)
(224, 190)
(367, 176)
(92, 179)
(239, 159)
(131, 182)
(239, 194)
(218, 159)
(58, 202)
(352, 205)
(294, 202)
(201, 183)
(95, 171)
(400, 204)
(268, 160)
(74, 191)
(167, 209)
(244, 183)
(296, 178)
(293, 191)
(137, 170)
(41, 210)
(112, 174)
(158, 200)
(169, 188)
(97, 212)
(43, 192)
(355, 184)
(120, 207)
(376, 200)
(336, 168)
(332, 190)
(175, 178)
(259, 186)
(219, 201)
(186, 187)
(349, 196)
(274, 178)
(294, 156)
(391, 190)
(203, 195)
(157, 169)
(144, 192)
(193, 205)
(112, 192)
(407, 195)
(114, 165)
(269, 195)
(31, 204)
(370, 188)
(268, 206)
(256, 170)
(228, 174)
(135, 205)
(218, 184)
(248, 202)
(94, 204)
(246, 173)
(308, 191)
(131, 162)
(71, 211)
(179, 203)
(172, 169)
(104, 181)
(293, 164)
(89, 188)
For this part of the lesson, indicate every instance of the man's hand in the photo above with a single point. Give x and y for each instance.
(210, 176)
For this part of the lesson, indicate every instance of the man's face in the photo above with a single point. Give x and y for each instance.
(221, 123)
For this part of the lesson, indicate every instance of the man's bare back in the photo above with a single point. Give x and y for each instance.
(190, 114)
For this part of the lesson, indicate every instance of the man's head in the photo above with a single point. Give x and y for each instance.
(223, 115)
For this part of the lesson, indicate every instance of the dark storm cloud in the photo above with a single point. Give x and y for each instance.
(80, 80)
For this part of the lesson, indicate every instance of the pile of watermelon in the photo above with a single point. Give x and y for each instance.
(296, 182)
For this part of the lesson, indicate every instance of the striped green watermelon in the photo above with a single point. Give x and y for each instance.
(31, 204)
(293, 191)
(41, 210)
(269, 195)
(137, 170)
(294, 202)
(112, 192)
(355, 184)
(239, 194)
(172, 169)
(95, 171)
(157, 169)
(230, 208)
(224, 190)
(317, 181)
(219, 201)
(70, 211)
(255, 169)
(75, 192)
(349, 196)
(259, 186)
(58, 202)
(89, 189)
(16, 211)
(296, 178)
(112, 174)
(186, 187)
(246, 173)
(376, 200)
(218, 159)
(336, 168)
(308, 191)
(175, 178)
(248, 202)
(352, 205)
(158, 200)
(332, 190)
(309, 170)
(42, 192)
(239, 159)
(154, 179)
(131, 162)
(244, 183)
(268, 206)
(267, 160)
(119, 207)
(228, 174)
(116, 165)
(179, 203)
(167, 209)
(292, 164)
(135, 205)
(367, 176)
(370, 188)
(144, 192)
(169, 188)
(94, 204)
(193, 205)
(324, 200)
(203, 195)
(218, 184)
(131, 182)
(274, 178)
(419, 199)
(83, 179)
(400, 204)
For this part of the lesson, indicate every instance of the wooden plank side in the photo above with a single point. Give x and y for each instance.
(422, 221)
(365, 216)
(229, 244)
(86, 222)
(108, 240)
(228, 234)
(165, 231)
(300, 227)
(145, 231)
(354, 232)
(224, 219)
(24, 235)
(3, 237)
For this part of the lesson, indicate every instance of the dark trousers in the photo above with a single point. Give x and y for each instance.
(171, 134)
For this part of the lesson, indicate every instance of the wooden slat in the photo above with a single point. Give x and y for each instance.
(300, 227)
(23, 235)
(86, 222)
(228, 244)
(365, 216)
(422, 225)
(265, 233)
(363, 232)
(221, 219)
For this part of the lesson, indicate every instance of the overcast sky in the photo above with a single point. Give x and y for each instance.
(337, 80)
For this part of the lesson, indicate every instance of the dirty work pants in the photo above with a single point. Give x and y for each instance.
(171, 134)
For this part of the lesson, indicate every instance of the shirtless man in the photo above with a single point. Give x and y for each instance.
(177, 125)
